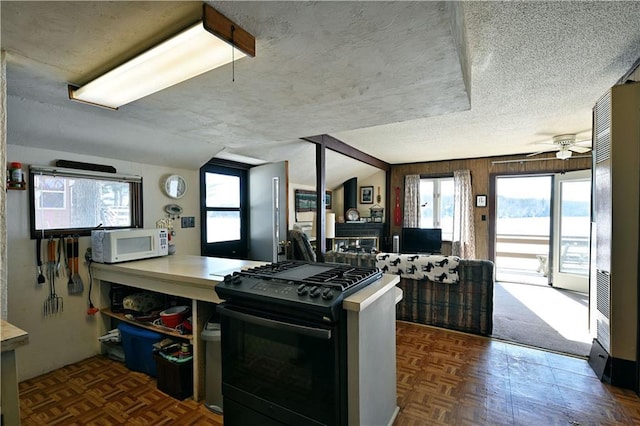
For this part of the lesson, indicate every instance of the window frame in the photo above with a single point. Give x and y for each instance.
(437, 208)
(238, 249)
(135, 201)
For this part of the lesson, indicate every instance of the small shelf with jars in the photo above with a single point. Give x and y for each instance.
(15, 177)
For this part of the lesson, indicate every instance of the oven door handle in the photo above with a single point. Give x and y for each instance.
(318, 333)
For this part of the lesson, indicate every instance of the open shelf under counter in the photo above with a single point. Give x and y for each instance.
(148, 326)
(185, 276)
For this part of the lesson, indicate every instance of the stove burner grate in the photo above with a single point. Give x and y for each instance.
(338, 276)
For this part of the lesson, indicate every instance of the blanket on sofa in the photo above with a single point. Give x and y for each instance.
(443, 269)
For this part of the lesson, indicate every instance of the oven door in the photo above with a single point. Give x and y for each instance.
(286, 370)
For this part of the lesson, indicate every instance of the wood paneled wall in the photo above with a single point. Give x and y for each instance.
(482, 171)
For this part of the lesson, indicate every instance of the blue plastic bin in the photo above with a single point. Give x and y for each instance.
(138, 348)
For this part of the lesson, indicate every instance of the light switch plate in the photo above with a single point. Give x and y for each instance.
(188, 222)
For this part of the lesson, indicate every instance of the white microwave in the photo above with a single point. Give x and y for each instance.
(121, 245)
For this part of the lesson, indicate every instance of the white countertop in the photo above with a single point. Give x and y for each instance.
(192, 277)
(194, 270)
(196, 276)
(12, 336)
(359, 301)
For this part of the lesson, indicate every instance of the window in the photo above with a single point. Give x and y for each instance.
(223, 207)
(224, 224)
(436, 205)
(68, 201)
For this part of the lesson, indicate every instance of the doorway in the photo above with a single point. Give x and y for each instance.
(542, 229)
(541, 255)
(523, 229)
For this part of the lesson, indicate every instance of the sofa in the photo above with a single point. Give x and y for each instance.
(443, 291)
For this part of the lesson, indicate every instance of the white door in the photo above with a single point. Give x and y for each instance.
(572, 230)
(267, 210)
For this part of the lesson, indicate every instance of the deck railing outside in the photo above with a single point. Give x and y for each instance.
(528, 256)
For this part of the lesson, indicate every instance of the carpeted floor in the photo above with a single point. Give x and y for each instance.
(542, 316)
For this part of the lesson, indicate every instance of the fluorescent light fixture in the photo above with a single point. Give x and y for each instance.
(194, 51)
(239, 158)
(563, 154)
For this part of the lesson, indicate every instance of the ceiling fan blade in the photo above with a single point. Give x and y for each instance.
(585, 142)
(579, 149)
(536, 153)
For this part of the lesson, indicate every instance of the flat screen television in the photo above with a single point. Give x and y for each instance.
(421, 240)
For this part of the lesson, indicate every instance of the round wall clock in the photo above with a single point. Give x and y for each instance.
(175, 186)
(353, 215)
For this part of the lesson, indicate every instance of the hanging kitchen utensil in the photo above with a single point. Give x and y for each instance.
(69, 262)
(54, 303)
(77, 280)
(60, 240)
(74, 286)
(40, 278)
(57, 300)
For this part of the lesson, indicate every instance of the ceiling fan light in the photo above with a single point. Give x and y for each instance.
(563, 154)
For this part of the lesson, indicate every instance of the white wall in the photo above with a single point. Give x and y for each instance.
(376, 180)
(71, 336)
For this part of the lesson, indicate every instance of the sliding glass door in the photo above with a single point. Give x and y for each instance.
(571, 225)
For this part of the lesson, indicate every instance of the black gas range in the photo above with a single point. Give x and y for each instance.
(284, 342)
(298, 288)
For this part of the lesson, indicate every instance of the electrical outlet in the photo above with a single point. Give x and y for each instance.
(188, 222)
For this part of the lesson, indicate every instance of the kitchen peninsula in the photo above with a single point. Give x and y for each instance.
(370, 313)
(189, 277)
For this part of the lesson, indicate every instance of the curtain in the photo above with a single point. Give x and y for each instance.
(412, 201)
(464, 241)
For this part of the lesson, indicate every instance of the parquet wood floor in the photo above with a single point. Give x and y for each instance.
(450, 378)
(444, 378)
(99, 391)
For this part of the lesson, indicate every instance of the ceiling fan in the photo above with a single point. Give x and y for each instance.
(566, 145)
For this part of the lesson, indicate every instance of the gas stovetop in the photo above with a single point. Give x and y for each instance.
(297, 286)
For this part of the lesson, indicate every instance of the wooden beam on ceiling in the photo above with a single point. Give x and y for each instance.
(338, 146)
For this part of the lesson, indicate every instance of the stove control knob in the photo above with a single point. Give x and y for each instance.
(236, 280)
(314, 292)
(302, 289)
(327, 294)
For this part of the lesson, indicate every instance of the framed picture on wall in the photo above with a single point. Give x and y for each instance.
(305, 204)
(366, 195)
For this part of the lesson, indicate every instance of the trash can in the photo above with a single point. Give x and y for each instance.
(212, 367)
(175, 375)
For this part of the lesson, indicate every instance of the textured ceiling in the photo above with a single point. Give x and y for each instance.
(402, 81)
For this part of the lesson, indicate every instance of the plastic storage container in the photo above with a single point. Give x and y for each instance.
(138, 348)
(212, 367)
